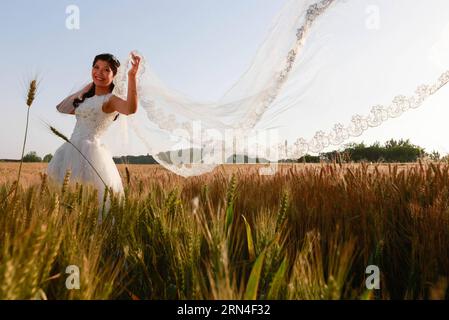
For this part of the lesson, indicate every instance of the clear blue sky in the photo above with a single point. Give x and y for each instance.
(174, 35)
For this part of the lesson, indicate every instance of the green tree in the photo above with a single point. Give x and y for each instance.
(47, 158)
(32, 157)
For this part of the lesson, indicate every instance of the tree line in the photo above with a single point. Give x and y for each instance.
(31, 157)
(391, 151)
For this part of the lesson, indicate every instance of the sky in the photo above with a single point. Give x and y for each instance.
(184, 42)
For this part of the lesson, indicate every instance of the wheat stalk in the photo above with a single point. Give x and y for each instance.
(30, 98)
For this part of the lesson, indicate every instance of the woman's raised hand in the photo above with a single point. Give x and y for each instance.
(135, 62)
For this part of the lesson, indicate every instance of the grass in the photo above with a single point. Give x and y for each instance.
(308, 232)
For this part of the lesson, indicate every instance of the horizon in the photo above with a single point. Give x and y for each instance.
(342, 148)
(175, 36)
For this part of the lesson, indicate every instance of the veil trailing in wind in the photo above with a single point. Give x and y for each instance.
(327, 71)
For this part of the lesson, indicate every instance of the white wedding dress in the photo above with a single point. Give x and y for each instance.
(91, 123)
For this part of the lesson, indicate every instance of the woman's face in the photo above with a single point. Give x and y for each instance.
(102, 74)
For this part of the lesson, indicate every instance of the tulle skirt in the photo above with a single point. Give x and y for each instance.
(67, 157)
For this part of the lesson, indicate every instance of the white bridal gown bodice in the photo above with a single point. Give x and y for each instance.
(91, 123)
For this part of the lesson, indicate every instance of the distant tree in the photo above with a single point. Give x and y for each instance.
(47, 158)
(401, 143)
(391, 144)
(142, 159)
(309, 159)
(376, 144)
(435, 156)
(32, 157)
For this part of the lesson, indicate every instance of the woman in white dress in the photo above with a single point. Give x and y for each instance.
(95, 108)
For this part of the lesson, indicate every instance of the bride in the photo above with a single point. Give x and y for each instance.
(95, 108)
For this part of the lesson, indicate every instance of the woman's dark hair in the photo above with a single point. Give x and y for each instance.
(114, 64)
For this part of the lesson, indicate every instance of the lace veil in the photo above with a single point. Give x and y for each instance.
(327, 71)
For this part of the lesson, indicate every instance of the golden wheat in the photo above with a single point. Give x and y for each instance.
(307, 232)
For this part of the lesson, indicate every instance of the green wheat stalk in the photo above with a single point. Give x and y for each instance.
(30, 98)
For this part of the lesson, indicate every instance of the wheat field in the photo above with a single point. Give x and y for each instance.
(306, 232)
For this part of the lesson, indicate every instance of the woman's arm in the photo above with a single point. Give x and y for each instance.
(128, 106)
(66, 105)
